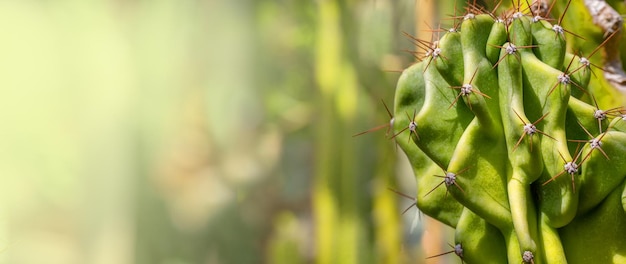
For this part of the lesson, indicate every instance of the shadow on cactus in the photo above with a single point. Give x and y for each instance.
(533, 168)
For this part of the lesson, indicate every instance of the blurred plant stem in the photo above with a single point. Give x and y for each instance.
(342, 196)
(338, 224)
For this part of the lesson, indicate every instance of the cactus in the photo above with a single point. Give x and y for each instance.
(509, 146)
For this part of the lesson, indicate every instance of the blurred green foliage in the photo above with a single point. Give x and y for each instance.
(200, 131)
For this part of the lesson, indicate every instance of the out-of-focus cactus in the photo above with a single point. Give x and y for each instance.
(508, 143)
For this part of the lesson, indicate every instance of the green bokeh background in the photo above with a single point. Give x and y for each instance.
(207, 131)
(179, 131)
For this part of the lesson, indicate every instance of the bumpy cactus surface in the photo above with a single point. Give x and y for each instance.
(508, 146)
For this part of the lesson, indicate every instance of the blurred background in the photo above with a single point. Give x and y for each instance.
(219, 131)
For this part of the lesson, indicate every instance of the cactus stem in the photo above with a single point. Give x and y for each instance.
(419, 43)
(540, 7)
(564, 11)
(550, 10)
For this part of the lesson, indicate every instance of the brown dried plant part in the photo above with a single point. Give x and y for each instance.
(540, 10)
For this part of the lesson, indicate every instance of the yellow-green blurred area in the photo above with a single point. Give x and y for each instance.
(219, 131)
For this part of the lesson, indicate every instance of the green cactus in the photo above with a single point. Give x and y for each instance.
(501, 116)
